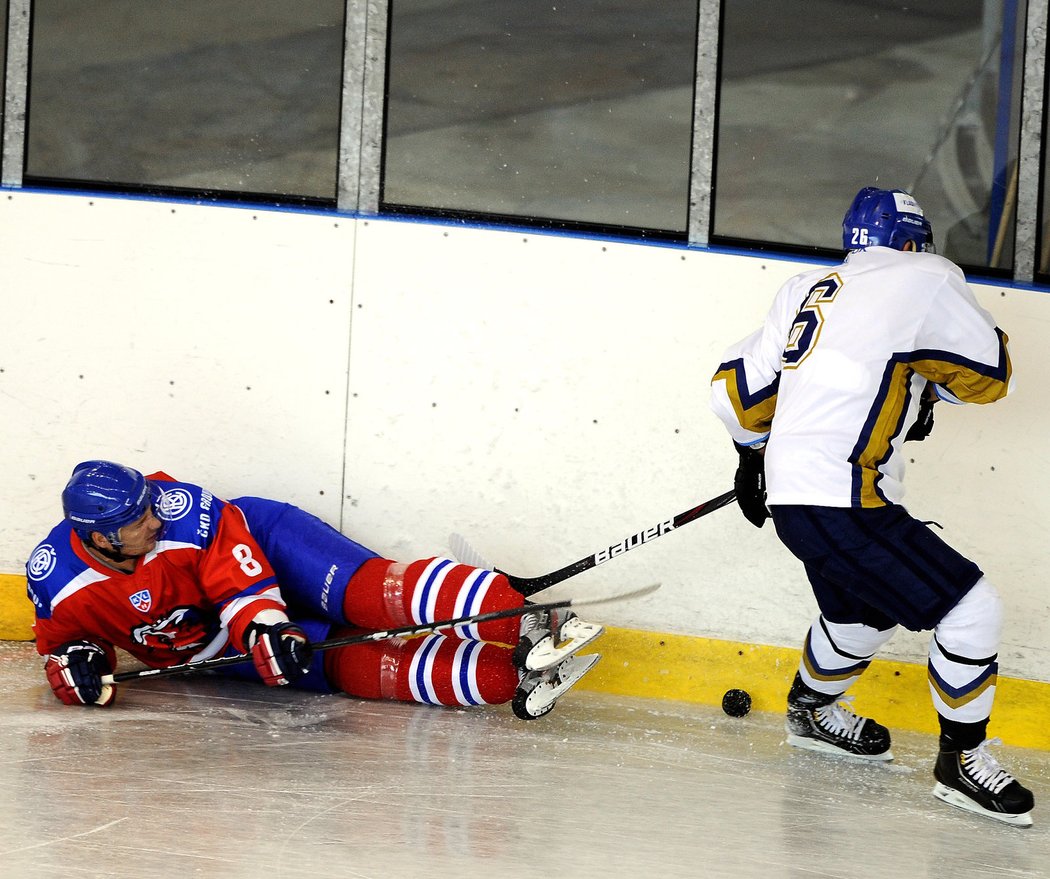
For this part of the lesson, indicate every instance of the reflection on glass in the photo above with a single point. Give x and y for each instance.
(236, 95)
(818, 98)
(576, 111)
(1042, 253)
(3, 67)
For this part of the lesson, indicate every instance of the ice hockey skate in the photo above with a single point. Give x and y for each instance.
(545, 639)
(538, 691)
(835, 729)
(973, 780)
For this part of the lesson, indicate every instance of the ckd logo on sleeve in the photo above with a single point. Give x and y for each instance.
(177, 502)
(174, 504)
(42, 563)
(40, 567)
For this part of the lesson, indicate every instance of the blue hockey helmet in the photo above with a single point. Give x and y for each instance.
(103, 496)
(886, 217)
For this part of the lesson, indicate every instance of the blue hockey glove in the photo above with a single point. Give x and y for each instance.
(75, 671)
(750, 485)
(281, 652)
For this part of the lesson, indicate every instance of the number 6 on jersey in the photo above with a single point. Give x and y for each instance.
(806, 329)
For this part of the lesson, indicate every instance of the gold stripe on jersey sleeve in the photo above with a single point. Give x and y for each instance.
(968, 384)
(884, 425)
(756, 414)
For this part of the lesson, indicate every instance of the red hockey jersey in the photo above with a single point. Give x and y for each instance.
(188, 599)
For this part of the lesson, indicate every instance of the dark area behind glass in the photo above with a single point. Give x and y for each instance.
(578, 111)
(574, 113)
(820, 97)
(226, 94)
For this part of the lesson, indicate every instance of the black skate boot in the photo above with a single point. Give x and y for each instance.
(819, 722)
(973, 780)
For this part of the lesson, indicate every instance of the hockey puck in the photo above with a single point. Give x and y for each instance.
(736, 703)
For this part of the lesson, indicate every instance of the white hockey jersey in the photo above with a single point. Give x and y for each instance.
(834, 377)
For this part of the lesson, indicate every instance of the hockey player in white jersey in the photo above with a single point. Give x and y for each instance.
(819, 402)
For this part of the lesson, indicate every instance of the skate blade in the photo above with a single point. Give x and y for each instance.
(809, 744)
(580, 666)
(541, 700)
(547, 654)
(955, 798)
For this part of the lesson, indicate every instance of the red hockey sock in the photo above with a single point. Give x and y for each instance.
(383, 594)
(431, 669)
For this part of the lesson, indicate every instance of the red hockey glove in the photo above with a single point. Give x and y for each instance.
(750, 485)
(281, 652)
(75, 672)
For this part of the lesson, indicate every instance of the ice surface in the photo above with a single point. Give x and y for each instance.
(199, 777)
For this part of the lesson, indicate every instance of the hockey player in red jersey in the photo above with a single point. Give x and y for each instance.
(171, 574)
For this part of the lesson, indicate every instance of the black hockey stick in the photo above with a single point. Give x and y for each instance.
(364, 638)
(531, 585)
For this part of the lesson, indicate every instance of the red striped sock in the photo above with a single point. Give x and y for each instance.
(431, 669)
(384, 594)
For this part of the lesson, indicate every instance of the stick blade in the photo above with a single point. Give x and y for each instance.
(621, 596)
(466, 554)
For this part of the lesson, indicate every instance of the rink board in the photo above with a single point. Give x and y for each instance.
(692, 669)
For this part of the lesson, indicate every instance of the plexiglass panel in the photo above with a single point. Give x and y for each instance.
(819, 97)
(577, 111)
(1042, 245)
(3, 73)
(236, 95)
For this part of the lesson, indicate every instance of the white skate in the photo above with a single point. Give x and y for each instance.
(538, 691)
(548, 638)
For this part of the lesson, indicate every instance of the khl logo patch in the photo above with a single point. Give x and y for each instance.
(142, 601)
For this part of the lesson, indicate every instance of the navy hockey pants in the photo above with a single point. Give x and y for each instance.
(878, 566)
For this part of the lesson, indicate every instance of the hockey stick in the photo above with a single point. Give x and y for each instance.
(531, 585)
(364, 638)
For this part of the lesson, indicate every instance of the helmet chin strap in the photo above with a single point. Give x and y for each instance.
(113, 553)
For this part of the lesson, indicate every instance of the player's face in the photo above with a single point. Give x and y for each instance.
(140, 537)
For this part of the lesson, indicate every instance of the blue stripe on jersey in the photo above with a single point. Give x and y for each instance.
(884, 423)
(254, 589)
(886, 415)
(753, 410)
(998, 371)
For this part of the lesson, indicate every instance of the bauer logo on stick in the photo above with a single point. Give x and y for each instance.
(633, 541)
